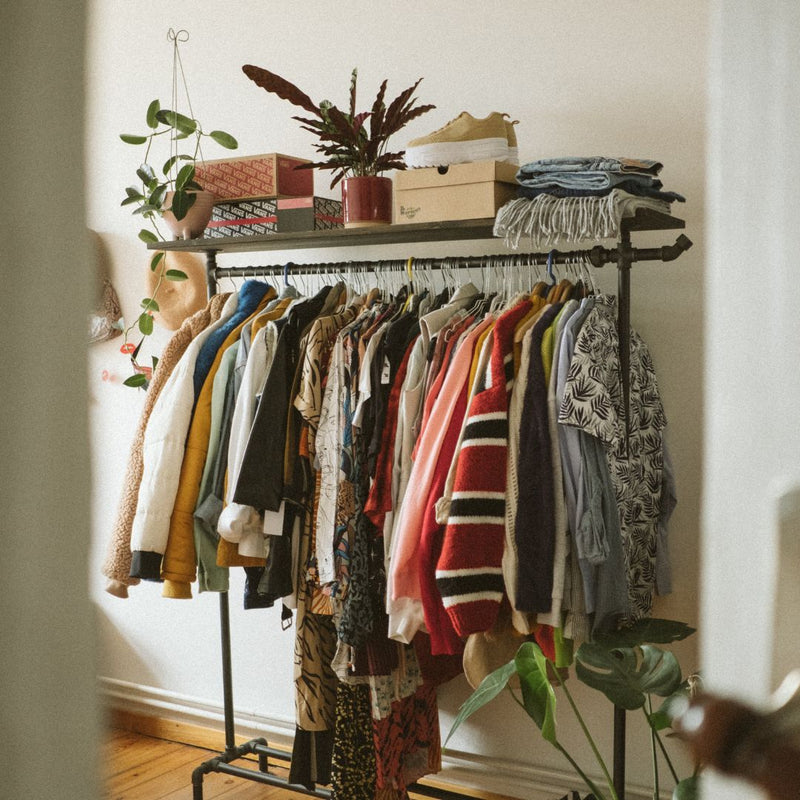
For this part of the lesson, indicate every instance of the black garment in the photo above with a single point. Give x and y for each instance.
(535, 521)
(261, 477)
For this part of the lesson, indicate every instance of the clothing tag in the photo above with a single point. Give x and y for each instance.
(273, 521)
(386, 375)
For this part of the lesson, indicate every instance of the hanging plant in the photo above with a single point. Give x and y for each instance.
(167, 186)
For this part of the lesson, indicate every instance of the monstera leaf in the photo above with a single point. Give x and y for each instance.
(537, 691)
(489, 688)
(625, 675)
(646, 631)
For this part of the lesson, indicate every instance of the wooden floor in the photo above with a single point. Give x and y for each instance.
(139, 767)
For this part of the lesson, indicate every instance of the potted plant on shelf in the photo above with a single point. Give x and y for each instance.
(626, 666)
(170, 192)
(354, 145)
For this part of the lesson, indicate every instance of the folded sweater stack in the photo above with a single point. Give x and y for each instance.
(578, 198)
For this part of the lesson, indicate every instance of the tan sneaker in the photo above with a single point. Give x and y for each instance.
(513, 150)
(462, 139)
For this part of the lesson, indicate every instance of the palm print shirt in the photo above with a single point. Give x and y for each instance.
(593, 402)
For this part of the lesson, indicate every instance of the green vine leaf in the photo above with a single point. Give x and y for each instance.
(538, 695)
(224, 139)
(626, 675)
(185, 174)
(172, 160)
(148, 236)
(181, 203)
(145, 324)
(156, 260)
(149, 304)
(179, 122)
(152, 111)
(136, 380)
(130, 138)
(175, 275)
(489, 688)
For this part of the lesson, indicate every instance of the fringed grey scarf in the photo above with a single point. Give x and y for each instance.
(545, 220)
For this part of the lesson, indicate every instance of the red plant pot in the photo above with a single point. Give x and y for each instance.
(366, 201)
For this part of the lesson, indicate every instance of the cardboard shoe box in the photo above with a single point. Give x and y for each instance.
(243, 218)
(309, 214)
(251, 177)
(475, 190)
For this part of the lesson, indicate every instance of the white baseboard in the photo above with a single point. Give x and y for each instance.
(511, 779)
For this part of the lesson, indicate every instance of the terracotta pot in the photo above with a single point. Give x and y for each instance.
(366, 201)
(196, 219)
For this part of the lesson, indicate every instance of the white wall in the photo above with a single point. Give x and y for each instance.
(752, 441)
(626, 78)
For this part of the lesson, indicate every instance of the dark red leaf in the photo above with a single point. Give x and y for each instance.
(281, 87)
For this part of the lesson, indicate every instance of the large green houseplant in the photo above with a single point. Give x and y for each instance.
(352, 144)
(626, 666)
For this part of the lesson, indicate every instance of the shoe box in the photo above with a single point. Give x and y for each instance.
(253, 217)
(309, 214)
(249, 177)
(474, 190)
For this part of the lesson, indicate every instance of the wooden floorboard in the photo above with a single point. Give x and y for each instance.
(139, 767)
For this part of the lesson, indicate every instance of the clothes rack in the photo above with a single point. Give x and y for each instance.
(623, 255)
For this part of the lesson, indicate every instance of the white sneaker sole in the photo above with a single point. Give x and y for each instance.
(440, 154)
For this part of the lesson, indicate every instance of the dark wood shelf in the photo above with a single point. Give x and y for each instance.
(457, 230)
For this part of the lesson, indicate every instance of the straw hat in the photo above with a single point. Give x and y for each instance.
(486, 652)
(178, 300)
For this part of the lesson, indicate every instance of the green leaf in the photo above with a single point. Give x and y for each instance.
(156, 260)
(185, 174)
(145, 324)
(176, 120)
(155, 362)
(146, 174)
(673, 706)
(131, 138)
(130, 200)
(152, 111)
(157, 196)
(170, 162)
(181, 203)
(175, 275)
(538, 695)
(148, 236)
(224, 139)
(626, 675)
(146, 209)
(646, 631)
(489, 688)
(136, 380)
(687, 789)
(148, 304)
(134, 193)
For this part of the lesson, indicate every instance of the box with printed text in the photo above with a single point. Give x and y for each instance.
(249, 177)
(243, 218)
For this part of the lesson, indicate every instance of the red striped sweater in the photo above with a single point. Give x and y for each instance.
(468, 573)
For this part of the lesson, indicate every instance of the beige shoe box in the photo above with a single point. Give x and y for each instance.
(475, 190)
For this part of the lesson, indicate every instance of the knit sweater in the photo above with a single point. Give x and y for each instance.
(468, 572)
(117, 564)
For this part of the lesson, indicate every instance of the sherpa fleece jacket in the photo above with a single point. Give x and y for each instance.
(117, 565)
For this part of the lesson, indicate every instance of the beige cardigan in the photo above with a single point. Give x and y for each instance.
(117, 564)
